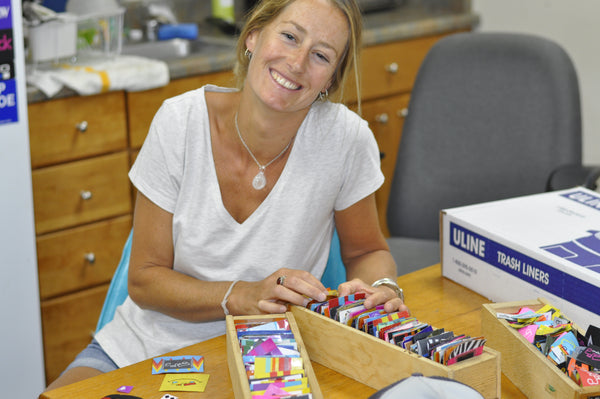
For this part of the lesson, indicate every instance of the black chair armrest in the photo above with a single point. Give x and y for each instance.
(567, 176)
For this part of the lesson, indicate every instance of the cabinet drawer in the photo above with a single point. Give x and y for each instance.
(81, 192)
(68, 324)
(389, 68)
(142, 106)
(386, 120)
(81, 257)
(57, 133)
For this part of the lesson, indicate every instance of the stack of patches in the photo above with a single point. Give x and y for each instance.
(400, 329)
(560, 341)
(272, 360)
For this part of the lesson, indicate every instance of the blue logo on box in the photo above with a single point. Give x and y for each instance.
(526, 268)
(584, 198)
(583, 251)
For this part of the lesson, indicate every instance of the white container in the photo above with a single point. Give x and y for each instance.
(53, 40)
(544, 245)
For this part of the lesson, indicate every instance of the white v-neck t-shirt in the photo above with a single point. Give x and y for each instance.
(333, 164)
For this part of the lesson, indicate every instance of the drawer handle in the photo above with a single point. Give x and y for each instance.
(382, 118)
(392, 68)
(82, 126)
(85, 195)
(90, 257)
(403, 112)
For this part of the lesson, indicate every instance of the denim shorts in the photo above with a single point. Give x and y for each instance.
(94, 356)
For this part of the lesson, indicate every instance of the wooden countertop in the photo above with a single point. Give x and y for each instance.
(431, 298)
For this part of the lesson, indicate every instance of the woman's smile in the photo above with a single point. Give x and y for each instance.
(283, 81)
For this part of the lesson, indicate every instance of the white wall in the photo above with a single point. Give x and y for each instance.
(574, 25)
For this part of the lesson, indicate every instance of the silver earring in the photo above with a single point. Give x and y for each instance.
(248, 53)
(323, 96)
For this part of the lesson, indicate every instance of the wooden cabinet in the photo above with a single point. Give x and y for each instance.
(79, 258)
(69, 322)
(390, 68)
(386, 118)
(81, 191)
(76, 127)
(82, 207)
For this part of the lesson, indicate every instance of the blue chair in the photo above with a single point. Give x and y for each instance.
(117, 291)
(335, 273)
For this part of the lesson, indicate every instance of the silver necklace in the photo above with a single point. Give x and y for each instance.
(260, 181)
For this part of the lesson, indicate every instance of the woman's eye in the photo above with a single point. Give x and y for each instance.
(322, 57)
(288, 36)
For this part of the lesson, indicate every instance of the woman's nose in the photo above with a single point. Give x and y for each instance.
(298, 59)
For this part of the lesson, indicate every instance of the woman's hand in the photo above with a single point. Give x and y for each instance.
(271, 295)
(375, 296)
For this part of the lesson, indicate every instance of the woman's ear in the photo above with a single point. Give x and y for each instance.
(330, 83)
(251, 39)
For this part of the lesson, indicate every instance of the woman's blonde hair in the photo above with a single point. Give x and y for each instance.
(267, 10)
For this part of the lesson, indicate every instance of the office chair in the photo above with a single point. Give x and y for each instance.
(491, 116)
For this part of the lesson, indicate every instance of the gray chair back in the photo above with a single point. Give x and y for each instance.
(491, 116)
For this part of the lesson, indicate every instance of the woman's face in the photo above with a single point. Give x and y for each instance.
(295, 56)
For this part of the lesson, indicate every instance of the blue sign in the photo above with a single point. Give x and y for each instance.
(5, 14)
(8, 101)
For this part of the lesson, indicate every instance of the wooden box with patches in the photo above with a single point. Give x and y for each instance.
(237, 370)
(522, 362)
(377, 363)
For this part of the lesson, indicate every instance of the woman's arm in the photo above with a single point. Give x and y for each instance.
(366, 254)
(154, 285)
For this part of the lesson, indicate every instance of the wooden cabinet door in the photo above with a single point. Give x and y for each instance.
(82, 191)
(73, 128)
(386, 118)
(81, 257)
(69, 323)
(389, 68)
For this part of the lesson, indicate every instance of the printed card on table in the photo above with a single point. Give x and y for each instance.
(192, 382)
(177, 364)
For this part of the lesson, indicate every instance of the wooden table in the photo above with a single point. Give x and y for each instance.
(430, 297)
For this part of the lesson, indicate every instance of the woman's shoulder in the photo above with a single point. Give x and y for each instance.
(198, 95)
(332, 111)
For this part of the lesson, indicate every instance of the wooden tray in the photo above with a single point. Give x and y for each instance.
(522, 362)
(237, 372)
(377, 363)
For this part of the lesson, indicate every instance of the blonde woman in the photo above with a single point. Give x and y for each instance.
(240, 191)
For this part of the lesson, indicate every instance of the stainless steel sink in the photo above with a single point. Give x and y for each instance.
(179, 48)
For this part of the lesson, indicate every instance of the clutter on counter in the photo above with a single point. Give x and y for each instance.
(101, 74)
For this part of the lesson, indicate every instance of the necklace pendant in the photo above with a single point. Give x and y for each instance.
(260, 181)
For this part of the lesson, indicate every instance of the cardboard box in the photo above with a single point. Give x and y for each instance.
(543, 245)
(377, 363)
(237, 372)
(522, 362)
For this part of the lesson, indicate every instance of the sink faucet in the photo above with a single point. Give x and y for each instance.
(151, 29)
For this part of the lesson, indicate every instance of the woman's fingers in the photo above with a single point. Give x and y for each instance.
(375, 296)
